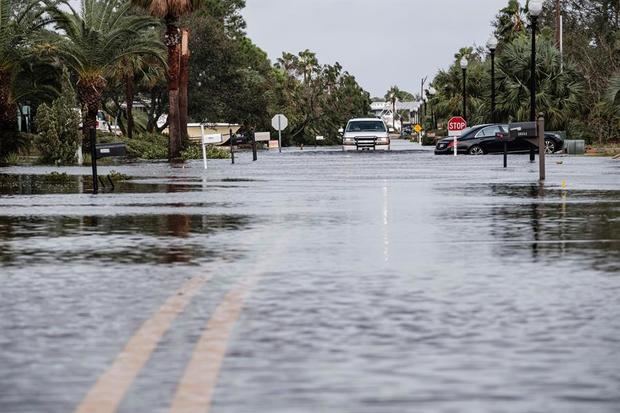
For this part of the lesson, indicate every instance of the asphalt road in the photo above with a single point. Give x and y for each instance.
(310, 281)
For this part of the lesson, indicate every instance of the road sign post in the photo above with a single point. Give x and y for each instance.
(279, 123)
(232, 147)
(540, 129)
(456, 125)
(418, 130)
(208, 139)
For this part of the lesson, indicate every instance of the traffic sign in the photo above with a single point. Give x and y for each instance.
(456, 125)
(212, 138)
(279, 122)
(417, 128)
(262, 136)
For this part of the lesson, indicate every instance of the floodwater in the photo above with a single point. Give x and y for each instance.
(382, 282)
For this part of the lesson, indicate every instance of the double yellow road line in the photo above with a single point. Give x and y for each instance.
(195, 389)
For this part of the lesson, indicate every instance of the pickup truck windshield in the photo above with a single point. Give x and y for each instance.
(366, 126)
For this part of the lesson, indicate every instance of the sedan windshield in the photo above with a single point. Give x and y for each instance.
(366, 126)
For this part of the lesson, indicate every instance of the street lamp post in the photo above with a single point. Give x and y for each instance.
(535, 8)
(432, 92)
(393, 98)
(464, 64)
(492, 46)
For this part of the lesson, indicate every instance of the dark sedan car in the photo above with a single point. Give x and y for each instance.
(482, 139)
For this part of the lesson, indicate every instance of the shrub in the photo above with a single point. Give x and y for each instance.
(150, 146)
(59, 137)
(194, 151)
(428, 141)
(11, 159)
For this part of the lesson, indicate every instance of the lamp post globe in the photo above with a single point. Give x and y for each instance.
(492, 43)
(535, 7)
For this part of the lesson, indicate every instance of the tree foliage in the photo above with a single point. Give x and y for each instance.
(234, 81)
(58, 125)
(317, 99)
(578, 92)
(92, 40)
(559, 91)
(23, 75)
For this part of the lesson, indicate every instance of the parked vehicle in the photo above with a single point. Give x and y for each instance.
(407, 130)
(483, 139)
(365, 134)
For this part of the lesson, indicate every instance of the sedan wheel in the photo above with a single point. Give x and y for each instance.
(476, 150)
(549, 146)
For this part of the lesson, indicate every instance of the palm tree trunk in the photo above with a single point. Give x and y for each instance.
(90, 92)
(174, 53)
(184, 82)
(129, 96)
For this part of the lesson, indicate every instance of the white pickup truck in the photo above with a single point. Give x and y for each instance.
(365, 134)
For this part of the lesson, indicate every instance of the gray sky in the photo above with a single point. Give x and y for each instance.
(421, 36)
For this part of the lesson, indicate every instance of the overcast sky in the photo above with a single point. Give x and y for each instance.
(381, 42)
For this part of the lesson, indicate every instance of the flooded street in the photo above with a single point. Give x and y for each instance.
(313, 281)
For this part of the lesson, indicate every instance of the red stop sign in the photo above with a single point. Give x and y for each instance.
(457, 124)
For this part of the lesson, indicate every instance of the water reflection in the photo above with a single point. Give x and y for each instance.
(559, 225)
(77, 184)
(40, 184)
(135, 239)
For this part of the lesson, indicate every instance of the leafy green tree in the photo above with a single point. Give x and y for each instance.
(93, 40)
(234, 77)
(228, 14)
(592, 46)
(58, 124)
(318, 98)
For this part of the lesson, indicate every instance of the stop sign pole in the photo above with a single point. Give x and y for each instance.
(456, 125)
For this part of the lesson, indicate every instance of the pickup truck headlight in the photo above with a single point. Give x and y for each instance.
(383, 140)
(349, 141)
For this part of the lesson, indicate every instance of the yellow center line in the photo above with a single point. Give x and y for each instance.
(106, 395)
(195, 391)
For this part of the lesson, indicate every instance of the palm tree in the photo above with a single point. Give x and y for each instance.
(95, 39)
(510, 21)
(560, 88)
(130, 71)
(171, 11)
(18, 24)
